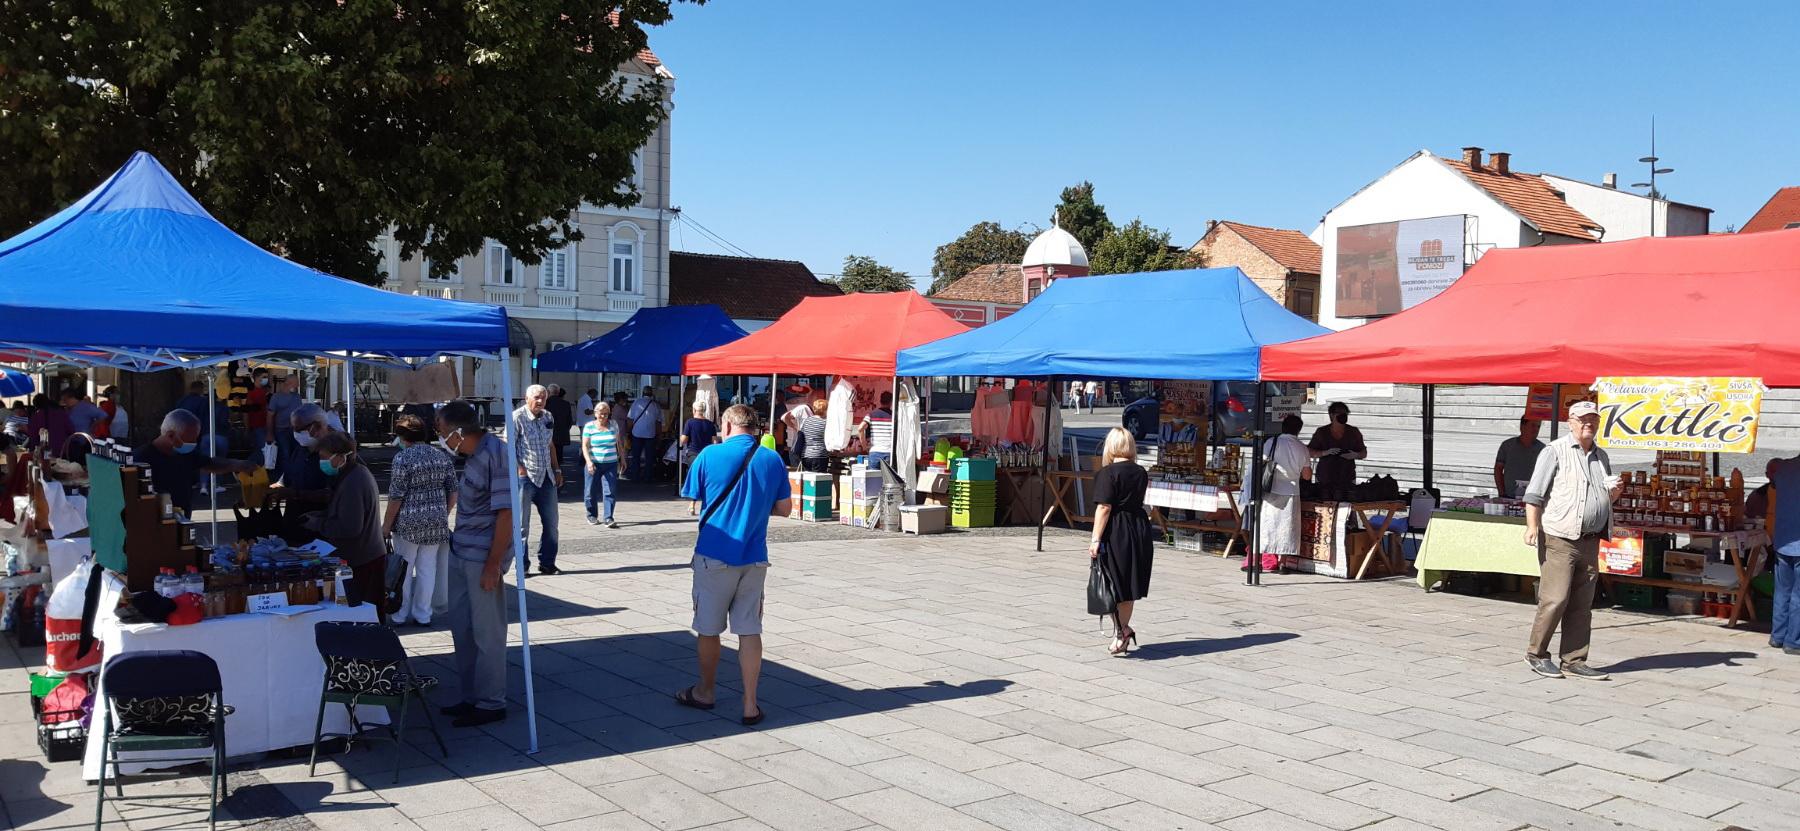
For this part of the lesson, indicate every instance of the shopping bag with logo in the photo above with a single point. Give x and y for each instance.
(62, 625)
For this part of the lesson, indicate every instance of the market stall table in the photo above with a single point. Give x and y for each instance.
(1062, 483)
(270, 667)
(1464, 541)
(1021, 493)
(1327, 548)
(1746, 549)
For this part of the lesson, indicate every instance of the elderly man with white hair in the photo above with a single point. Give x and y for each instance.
(175, 463)
(540, 474)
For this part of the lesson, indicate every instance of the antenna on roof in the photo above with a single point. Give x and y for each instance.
(1651, 160)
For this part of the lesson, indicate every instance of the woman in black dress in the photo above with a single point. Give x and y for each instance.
(1122, 530)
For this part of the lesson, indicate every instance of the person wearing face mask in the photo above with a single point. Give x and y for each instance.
(1337, 446)
(480, 545)
(176, 463)
(350, 521)
(302, 486)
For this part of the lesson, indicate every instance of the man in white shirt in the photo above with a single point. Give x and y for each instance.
(584, 409)
(1093, 392)
(645, 418)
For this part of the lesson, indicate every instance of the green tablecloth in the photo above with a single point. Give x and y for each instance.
(1458, 541)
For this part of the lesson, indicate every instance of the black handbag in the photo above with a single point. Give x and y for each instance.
(1103, 590)
(1268, 468)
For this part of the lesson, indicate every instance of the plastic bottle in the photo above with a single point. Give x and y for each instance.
(344, 576)
(193, 582)
(165, 583)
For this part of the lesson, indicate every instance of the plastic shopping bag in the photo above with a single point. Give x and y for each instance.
(62, 624)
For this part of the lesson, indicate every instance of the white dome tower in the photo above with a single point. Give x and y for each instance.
(1053, 255)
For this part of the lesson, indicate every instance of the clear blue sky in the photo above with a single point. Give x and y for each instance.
(812, 130)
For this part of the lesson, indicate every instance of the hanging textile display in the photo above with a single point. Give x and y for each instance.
(906, 436)
(706, 396)
(840, 423)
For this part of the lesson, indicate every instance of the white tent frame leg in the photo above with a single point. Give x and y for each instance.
(518, 547)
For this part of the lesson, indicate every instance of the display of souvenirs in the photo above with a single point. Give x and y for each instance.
(1679, 494)
(1222, 469)
(1182, 422)
(1487, 506)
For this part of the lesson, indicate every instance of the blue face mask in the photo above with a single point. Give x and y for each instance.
(329, 468)
(187, 448)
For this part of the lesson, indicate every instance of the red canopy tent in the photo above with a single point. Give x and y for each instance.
(856, 334)
(1719, 305)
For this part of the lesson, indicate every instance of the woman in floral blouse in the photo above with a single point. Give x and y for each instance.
(421, 492)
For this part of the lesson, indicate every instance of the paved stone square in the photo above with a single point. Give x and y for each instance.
(953, 682)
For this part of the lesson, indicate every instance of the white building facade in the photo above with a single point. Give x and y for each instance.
(1501, 208)
(581, 291)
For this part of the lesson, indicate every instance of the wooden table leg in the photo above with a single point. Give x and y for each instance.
(1740, 599)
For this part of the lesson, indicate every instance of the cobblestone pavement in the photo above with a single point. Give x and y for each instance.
(952, 682)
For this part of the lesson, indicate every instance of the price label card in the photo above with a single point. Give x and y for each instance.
(265, 602)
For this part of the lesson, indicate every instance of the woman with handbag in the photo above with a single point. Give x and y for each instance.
(421, 493)
(1286, 462)
(1122, 545)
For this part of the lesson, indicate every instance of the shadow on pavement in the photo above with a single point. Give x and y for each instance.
(1678, 660)
(1207, 646)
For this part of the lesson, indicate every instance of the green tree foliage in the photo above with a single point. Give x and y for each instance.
(863, 274)
(985, 243)
(1137, 247)
(1082, 217)
(311, 127)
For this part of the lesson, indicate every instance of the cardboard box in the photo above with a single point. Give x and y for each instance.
(1680, 564)
(933, 480)
(923, 519)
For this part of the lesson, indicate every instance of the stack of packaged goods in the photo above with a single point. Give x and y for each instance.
(795, 487)
(813, 497)
(972, 493)
(865, 491)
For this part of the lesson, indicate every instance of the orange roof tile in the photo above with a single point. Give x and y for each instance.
(998, 283)
(648, 57)
(1532, 198)
(1781, 211)
(1290, 249)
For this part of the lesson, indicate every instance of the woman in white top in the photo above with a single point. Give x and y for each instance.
(1280, 514)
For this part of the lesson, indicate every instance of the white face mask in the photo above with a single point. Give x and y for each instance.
(304, 439)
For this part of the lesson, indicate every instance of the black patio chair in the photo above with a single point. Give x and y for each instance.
(365, 664)
(162, 701)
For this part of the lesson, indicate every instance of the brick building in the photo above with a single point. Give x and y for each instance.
(1282, 262)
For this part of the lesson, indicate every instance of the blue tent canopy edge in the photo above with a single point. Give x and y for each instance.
(651, 342)
(1194, 324)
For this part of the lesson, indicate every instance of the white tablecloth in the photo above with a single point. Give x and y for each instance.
(271, 670)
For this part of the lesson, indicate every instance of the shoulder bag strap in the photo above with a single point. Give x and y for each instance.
(720, 500)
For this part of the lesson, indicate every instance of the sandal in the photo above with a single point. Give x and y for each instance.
(686, 699)
(752, 721)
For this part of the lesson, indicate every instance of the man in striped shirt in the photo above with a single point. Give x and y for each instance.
(600, 454)
(878, 430)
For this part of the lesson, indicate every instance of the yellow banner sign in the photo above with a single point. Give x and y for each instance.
(1715, 415)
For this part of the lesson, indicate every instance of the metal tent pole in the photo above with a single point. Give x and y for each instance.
(1043, 466)
(1429, 404)
(518, 547)
(350, 399)
(681, 419)
(212, 449)
(1556, 413)
(1253, 575)
(772, 394)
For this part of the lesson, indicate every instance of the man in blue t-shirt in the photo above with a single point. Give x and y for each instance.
(739, 485)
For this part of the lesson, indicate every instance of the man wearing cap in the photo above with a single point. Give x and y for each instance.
(1568, 511)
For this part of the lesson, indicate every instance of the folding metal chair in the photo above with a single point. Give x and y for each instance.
(162, 700)
(365, 664)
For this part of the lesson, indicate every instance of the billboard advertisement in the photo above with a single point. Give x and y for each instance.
(1389, 267)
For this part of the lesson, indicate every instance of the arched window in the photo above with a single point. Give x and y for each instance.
(622, 244)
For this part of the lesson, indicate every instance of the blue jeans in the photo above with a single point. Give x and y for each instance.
(544, 498)
(1784, 630)
(603, 483)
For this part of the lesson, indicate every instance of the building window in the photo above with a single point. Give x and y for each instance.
(503, 269)
(622, 243)
(387, 256)
(554, 272)
(455, 274)
(1304, 302)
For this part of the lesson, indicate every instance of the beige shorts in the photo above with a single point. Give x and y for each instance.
(728, 594)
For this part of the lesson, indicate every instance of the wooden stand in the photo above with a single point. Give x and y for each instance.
(152, 543)
(1228, 521)
(1746, 549)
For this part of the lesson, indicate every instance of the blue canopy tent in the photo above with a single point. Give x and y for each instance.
(652, 342)
(137, 275)
(1198, 325)
(1205, 324)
